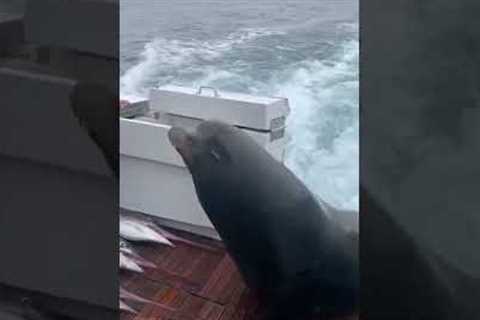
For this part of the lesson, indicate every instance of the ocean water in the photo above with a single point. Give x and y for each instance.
(304, 50)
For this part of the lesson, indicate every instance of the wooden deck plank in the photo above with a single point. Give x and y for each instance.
(199, 283)
(225, 283)
(185, 267)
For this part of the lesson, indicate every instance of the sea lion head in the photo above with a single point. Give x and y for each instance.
(224, 162)
(228, 167)
(203, 147)
(211, 148)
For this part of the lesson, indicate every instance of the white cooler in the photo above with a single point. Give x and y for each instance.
(153, 177)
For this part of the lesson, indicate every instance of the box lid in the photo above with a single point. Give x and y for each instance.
(248, 111)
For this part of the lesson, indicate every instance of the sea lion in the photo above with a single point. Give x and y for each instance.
(282, 241)
(96, 109)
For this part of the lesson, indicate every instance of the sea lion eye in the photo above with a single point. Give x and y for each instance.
(218, 151)
(215, 155)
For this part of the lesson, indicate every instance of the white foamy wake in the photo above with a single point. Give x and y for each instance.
(163, 55)
(323, 93)
(324, 125)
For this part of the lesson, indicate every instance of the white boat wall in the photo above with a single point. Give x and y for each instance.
(153, 177)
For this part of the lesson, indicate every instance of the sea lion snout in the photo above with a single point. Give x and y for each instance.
(182, 141)
(177, 137)
(192, 145)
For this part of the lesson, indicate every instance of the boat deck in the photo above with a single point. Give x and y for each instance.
(196, 282)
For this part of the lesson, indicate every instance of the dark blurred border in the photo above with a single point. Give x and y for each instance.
(420, 152)
(59, 159)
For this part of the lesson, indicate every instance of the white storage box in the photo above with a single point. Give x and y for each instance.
(257, 113)
(153, 176)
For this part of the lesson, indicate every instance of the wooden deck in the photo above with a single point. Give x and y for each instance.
(198, 283)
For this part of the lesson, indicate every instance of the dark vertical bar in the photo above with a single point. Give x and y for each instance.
(59, 158)
(420, 142)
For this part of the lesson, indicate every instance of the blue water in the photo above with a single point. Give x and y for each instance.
(304, 50)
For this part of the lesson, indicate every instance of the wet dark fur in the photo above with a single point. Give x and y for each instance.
(96, 108)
